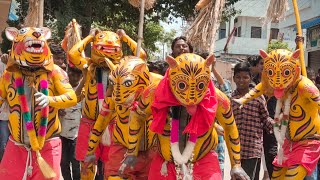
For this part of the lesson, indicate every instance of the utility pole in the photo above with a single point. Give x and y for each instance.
(41, 7)
(163, 55)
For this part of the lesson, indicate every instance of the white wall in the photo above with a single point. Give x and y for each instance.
(308, 9)
(251, 14)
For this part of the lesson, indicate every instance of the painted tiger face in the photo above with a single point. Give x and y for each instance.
(129, 79)
(29, 47)
(107, 44)
(282, 69)
(189, 77)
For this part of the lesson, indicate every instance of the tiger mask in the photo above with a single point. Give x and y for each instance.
(129, 79)
(189, 77)
(281, 69)
(106, 44)
(29, 47)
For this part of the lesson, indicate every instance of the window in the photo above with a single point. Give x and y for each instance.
(222, 33)
(255, 32)
(274, 33)
(239, 31)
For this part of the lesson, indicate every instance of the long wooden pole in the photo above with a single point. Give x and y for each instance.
(140, 30)
(216, 22)
(300, 44)
(41, 7)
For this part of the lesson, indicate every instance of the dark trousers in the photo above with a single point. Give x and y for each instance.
(100, 171)
(270, 147)
(4, 136)
(68, 159)
(251, 167)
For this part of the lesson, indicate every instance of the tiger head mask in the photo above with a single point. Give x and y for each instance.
(281, 69)
(29, 46)
(106, 44)
(189, 77)
(129, 79)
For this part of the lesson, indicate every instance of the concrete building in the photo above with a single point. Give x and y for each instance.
(310, 22)
(250, 34)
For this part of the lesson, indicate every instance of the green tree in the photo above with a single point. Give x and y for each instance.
(273, 45)
(112, 14)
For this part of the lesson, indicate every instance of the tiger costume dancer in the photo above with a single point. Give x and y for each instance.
(297, 119)
(35, 89)
(187, 140)
(133, 88)
(105, 44)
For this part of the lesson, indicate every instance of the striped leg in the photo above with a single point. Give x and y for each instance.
(296, 172)
(278, 173)
(91, 172)
(117, 178)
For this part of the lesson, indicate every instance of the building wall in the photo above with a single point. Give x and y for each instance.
(251, 14)
(225, 69)
(308, 10)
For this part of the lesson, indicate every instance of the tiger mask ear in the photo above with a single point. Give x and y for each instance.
(172, 62)
(210, 59)
(11, 33)
(263, 54)
(140, 67)
(296, 54)
(46, 32)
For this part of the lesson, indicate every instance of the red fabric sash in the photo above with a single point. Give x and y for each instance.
(200, 122)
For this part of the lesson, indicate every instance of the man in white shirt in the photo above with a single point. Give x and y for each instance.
(4, 130)
(70, 122)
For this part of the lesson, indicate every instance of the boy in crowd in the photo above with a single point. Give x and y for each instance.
(70, 120)
(270, 145)
(250, 119)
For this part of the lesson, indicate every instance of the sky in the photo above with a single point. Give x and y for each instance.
(176, 25)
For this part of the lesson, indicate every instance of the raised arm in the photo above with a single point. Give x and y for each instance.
(310, 91)
(104, 118)
(225, 117)
(3, 92)
(255, 92)
(80, 90)
(75, 52)
(67, 97)
(231, 135)
(132, 44)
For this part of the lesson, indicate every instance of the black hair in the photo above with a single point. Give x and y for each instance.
(75, 70)
(181, 38)
(204, 55)
(160, 66)
(310, 71)
(56, 49)
(254, 60)
(242, 67)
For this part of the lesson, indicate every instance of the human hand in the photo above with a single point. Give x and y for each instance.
(88, 160)
(219, 130)
(129, 160)
(62, 112)
(121, 33)
(42, 99)
(238, 173)
(238, 101)
(94, 31)
(4, 58)
(299, 39)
